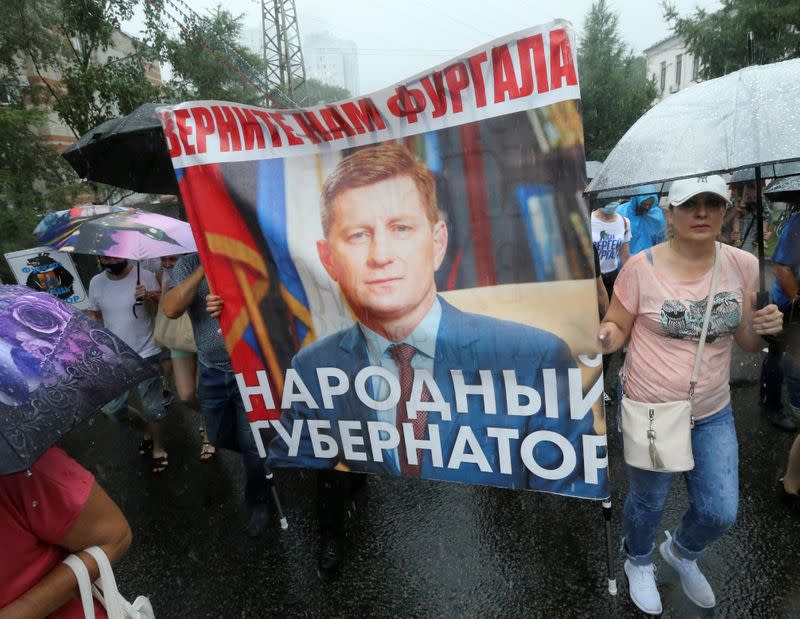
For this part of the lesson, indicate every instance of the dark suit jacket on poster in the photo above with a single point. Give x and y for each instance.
(469, 342)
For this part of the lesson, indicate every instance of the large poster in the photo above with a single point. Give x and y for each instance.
(47, 270)
(408, 276)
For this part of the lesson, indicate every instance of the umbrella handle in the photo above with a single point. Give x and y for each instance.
(138, 281)
(137, 302)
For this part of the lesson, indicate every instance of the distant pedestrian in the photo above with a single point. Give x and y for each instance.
(786, 268)
(648, 227)
(611, 236)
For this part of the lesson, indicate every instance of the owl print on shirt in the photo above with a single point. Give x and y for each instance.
(684, 319)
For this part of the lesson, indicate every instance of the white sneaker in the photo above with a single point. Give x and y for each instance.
(642, 587)
(694, 584)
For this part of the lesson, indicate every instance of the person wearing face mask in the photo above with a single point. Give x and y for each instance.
(611, 236)
(112, 295)
(647, 222)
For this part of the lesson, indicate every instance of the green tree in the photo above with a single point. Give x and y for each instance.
(719, 38)
(615, 90)
(318, 92)
(33, 178)
(71, 40)
(206, 57)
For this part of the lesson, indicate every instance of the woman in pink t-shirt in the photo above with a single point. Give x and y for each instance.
(53, 509)
(659, 303)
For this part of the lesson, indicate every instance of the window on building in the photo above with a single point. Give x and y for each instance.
(678, 68)
(663, 75)
(695, 68)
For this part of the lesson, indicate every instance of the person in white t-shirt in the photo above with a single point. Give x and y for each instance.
(112, 295)
(611, 235)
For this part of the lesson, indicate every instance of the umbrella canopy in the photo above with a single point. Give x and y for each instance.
(56, 227)
(775, 170)
(57, 367)
(784, 190)
(629, 192)
(128, 152)
(743, 119)
(132, 234)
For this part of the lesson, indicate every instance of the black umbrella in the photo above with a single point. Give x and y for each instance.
(57, 367)
(784, 190)
(128, 152)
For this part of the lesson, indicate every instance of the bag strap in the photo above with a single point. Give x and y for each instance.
(706, 320)
(78, 567)
(105, 589)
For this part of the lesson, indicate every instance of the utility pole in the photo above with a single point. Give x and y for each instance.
(283, 55)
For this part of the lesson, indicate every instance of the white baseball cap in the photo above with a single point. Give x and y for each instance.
(687, 188)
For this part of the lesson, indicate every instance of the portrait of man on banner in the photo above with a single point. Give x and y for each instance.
(408, 289)
(450, 395)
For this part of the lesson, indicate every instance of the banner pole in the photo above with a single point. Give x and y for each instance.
(276, 499)
(612, 580)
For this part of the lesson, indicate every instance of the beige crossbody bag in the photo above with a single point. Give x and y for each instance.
(658, 437)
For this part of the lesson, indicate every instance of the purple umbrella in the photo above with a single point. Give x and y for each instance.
(57, 367)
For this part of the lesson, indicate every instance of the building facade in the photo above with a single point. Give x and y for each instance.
(332, 60)
(54, 131)
(672, 66)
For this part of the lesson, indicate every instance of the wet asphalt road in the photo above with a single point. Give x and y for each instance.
(427, 549)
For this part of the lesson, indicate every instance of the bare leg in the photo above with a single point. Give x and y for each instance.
(185, 371)
(154, 430)
(791, 481)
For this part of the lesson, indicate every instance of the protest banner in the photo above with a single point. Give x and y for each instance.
(407, 277)
(47, 270)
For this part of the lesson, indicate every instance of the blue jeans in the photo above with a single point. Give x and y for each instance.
(713, 488)
(791, 370)
(227, 427)
(151, 395)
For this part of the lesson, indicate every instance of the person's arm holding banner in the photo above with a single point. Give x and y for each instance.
(180, 296)
(615, 328)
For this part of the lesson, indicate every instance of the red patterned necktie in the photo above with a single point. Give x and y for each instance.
(402, 355)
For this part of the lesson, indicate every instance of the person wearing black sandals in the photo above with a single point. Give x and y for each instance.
(112, 298)
(225, 418)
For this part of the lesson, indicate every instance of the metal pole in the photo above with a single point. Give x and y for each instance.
(612, 580)
(762, 298)
(275, 498)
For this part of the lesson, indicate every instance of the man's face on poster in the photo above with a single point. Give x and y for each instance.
(382, 248)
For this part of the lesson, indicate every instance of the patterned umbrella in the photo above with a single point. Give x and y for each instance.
(57, 367)
(132, 234)
(56, 227)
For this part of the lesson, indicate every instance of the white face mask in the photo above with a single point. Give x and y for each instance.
(609, 210)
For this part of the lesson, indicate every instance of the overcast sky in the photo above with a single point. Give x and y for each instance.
(399, 39)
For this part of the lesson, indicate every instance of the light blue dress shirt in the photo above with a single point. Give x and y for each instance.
(423, 338)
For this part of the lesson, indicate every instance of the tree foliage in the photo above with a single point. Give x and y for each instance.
(71, 42)
(719, 38)
(318, 92)
(33, 178)
(204, 57)
(615, 90)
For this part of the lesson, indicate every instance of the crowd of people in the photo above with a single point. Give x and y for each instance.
(658, 269)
